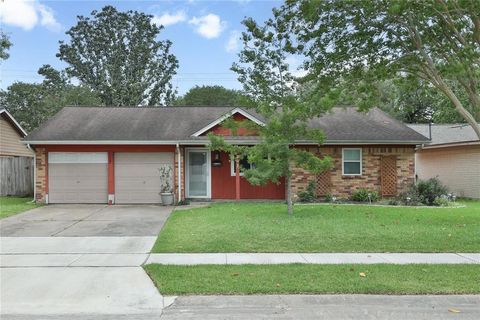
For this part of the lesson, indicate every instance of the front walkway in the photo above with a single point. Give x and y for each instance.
(313, 258)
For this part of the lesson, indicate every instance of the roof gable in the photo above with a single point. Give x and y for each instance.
(4, 113)
(225, 117)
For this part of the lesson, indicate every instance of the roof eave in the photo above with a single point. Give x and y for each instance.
(203, 142)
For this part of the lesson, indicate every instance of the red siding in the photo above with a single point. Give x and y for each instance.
(221, 131)
(223, 184)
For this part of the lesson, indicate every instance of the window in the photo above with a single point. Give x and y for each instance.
(352, 162)
(244, 164)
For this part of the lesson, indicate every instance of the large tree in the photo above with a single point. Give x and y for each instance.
(363, 41)
(33, 103)
(118, 55)
(210, 96)
(273, 91)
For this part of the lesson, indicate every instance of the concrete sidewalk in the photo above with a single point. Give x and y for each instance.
(313, 258)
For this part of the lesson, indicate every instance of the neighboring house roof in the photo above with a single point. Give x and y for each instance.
(445, 135)
(157, 125)
(4, 113)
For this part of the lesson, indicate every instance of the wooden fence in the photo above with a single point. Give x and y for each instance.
(16, 176)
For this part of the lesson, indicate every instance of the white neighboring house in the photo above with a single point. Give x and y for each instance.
(453, 155)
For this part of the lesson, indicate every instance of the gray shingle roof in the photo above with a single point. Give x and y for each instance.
(447, 133)
(179, 123)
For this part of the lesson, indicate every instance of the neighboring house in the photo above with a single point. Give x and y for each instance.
(16, 159)
(95, 155)
(453, 156)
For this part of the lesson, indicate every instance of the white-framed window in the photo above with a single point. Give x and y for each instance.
(352, 161)
(244, 164)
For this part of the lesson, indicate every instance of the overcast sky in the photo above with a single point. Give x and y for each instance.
(204, 34)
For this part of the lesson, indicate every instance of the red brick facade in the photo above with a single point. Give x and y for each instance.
(343, 186)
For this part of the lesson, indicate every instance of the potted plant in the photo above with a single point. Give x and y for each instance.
(166, 190)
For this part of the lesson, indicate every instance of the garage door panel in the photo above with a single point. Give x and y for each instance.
(77, 182)
(137, 176)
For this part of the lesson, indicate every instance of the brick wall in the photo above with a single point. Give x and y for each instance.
(343, 186)
(41, 175)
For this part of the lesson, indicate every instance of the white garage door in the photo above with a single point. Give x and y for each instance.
(137, 176)
(77, 177)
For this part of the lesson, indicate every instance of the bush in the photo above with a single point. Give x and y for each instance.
(425, 192)
(330, 198)
(309, 194)
(365, 195)
(431, 189)
(441, 201)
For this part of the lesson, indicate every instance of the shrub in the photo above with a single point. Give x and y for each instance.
(365, 195)
(330, 198)
(309, 194)
(441, 201)
(431, 189)
(425, 192)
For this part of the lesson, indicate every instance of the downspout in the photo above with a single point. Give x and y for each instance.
(34, 173)
(179, 171)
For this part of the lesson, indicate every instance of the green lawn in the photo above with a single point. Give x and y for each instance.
(266, 227)
(316, 279)
(13, 205)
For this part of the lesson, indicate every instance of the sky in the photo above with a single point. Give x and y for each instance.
(205, 35)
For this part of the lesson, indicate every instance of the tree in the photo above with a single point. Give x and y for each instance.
(363, 41)
(117, 55)
(210, 96)
(272, 89)
(5, 44)
(416, 102)
(33, 103)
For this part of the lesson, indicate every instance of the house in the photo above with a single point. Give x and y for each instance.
(16, 159)
(100, 155)
(453, 156)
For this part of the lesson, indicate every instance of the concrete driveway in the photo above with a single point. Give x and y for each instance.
(87, 221)
(82, 260)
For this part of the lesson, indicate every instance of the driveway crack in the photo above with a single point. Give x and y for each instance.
(78, 221)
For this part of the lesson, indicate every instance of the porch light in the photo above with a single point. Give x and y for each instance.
(216, 162)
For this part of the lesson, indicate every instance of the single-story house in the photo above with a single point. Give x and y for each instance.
(115, 155)
(16, 159)
(453, 156)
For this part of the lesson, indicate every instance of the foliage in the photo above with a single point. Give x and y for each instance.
(273, 92)
(330, 198)
(33, 103)
(309, 195)
(185, 202)
(165, 172)
(117, 55)
(425, 192)
(5, 44)
(441, 201)
(210, 96)
(431, 189)
(365, 195)
(358, 43)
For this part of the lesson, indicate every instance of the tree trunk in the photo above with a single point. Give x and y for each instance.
(458, 105)
(289, 195)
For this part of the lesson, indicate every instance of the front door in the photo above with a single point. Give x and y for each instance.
(198, 173)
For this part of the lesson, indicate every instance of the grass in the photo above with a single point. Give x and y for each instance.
(315, 279)
(266, 227)
(13, 205)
